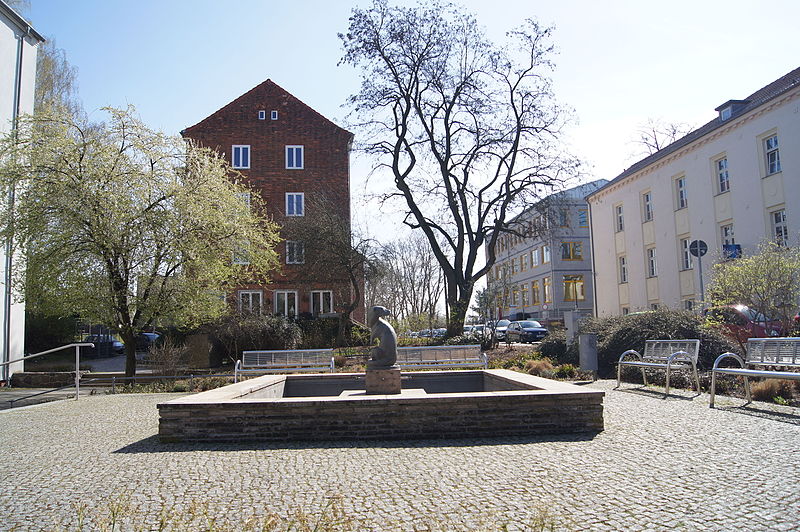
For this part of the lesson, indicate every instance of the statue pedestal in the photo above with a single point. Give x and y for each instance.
(383, 381)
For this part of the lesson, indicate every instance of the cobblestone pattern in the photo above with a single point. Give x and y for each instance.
(660, 464)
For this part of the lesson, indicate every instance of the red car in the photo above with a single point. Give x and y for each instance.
(741, 322)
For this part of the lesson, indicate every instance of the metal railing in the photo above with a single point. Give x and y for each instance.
(77, 347)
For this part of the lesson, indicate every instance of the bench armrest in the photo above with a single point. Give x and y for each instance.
(236, 369)
(723, 356)
(630, 352)
(680, 355)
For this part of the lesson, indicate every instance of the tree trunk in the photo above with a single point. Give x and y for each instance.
(458, 306)
(129, 339)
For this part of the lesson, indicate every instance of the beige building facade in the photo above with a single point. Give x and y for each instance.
(732, 183)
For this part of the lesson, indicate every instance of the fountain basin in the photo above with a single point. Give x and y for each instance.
(432, 404)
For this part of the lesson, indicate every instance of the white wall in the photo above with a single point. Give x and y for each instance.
(752, 196)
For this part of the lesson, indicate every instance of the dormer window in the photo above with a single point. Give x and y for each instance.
(725, 113)
(731, 107)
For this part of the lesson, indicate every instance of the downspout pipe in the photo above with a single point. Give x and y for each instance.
(594, 270)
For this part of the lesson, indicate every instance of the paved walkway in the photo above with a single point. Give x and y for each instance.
(660, 464)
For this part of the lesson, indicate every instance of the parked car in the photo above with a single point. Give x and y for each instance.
(468, 330)
(525, 331)
(145, 340)
(499, 328)
(105, 345)
(741, 322)
(439, 333)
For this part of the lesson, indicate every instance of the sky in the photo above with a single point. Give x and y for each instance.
(619, 62)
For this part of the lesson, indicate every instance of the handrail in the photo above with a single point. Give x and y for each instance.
(77, 347)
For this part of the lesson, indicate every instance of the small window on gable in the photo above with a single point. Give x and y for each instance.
(294, 157)
(725, 113)
(262, 115)
(240, 156)
(273, 115)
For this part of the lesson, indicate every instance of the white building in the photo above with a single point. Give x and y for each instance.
(546, 268)
(18, 47)
(733, 182)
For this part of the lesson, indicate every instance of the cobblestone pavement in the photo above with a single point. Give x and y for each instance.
(660, 464)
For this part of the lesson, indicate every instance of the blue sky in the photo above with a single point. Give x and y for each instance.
(619, 63)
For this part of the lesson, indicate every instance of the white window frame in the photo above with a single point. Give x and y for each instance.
(545, 254)
(622, 264)
(688, 305)
(772, 154)
(318, 302)
(295, 252)
(681, 196)
(292, 199)
(726, 234)
(273, 115)
(286, 295)
(723, 179)
(619, 218)
(647, 206)
(294, 149)
(780, 230)
(262, 114)
(249, 295)
(652, 262)
(241, 255)
(685, 255)
(240, 148)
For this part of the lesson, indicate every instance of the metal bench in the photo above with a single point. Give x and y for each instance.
(761, 353)
(445, 356)
(284, 361)
(666, 355)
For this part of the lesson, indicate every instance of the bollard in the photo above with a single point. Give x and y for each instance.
(587, 349)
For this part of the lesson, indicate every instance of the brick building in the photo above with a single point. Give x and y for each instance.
(297, 159)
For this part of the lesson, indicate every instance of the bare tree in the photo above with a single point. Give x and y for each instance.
(466, 128)
(655, 135)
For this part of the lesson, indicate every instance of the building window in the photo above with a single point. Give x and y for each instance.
(523, 262)
(623, 269)
(681, 197)
(726, 234)
(545, 254)
(625, 311)
(286, 303)
(249, 301)
(241, 254)
(619, 218)
(294, 157)
(780, 231)
(647, 206)
(723, 183)
(240, 156)
(525, 298)
(573, 288)
(725, 113)
(295, 252)
(583, 218)
(652, 264)
(686, 256)
(513, 266)
(262, 115)
(273, 115)
(563, 218)
(773, 156)
(295, 204)
(571, 251)
(688, 304)
(535, 257)
(653, 306)
(514, 296)
(548, 292)
(321, 302)
(535, 293)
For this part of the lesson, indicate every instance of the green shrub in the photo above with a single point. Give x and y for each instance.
(565, 371)
(554, 346)
(235, 333)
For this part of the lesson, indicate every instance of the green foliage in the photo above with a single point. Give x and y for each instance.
(43, 332)
(125, 225)
(617, 334)
(768, 282)
(234, 333)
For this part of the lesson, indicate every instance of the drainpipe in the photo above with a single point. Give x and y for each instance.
(15, 112)
(594, 270)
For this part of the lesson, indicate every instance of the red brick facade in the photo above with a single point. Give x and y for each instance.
(268, 119)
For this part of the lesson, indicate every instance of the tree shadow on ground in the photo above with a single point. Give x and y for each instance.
(761, 412)
(153, 444)
(656, 393)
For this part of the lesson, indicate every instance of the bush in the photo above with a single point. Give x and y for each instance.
(461, 340)
(235, 333)
(771, 390)
(167, 357)
(617, 334)
(541, 367)
(566, 371)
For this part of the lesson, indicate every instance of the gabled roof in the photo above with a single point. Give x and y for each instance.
(265, 87)
(758, 98)
(21, 24)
